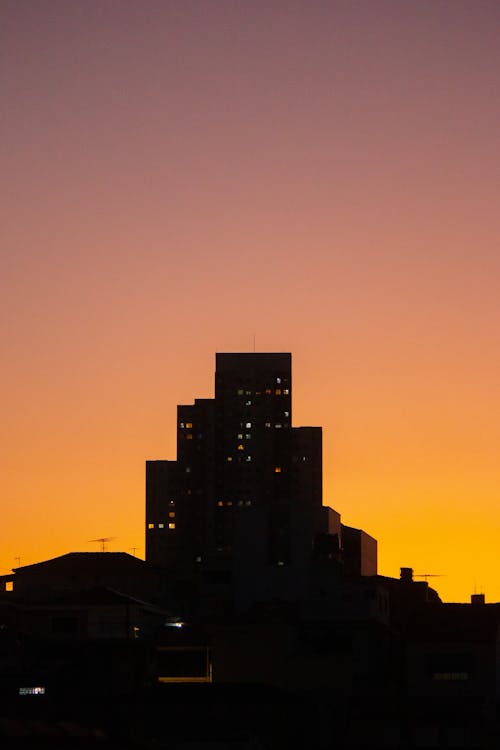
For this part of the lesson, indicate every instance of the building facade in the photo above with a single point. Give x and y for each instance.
(240, 509)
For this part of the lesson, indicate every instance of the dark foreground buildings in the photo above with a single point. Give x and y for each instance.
(240, 512)
(258, 619)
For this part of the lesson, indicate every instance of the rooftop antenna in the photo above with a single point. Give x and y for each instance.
(425, 576)
(102, 541)
(18, 561)
(254, 343)
(134, 550)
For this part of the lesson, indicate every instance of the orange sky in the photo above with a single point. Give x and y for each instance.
(181, 176)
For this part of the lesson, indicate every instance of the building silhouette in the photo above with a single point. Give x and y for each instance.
(258, 613)
(240, 512)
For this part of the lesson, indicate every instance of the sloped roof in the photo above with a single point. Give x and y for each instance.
(86, 561)
(102, 596)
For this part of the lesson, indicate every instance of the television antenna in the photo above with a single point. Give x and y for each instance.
(102, 541)
(134, 550)
(425, 576)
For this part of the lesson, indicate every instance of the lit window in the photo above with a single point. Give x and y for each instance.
(9, 586)
(230, 502)
(268, 391)
(198, 559)
(286, 391)
(171, 514)
(287, 414)
(248, 435)
(31, 691)
(240, 502)
(241, 447)
(151, 525)
(280, 563)
(278, 391)
(189, 435)
(240, 391)
(278, 425)
(172, 502)
(161, 525)
(181, 425)
(268, 424)
(188, 470)
(248, 425)
(248, 502)
(278, 380)
(220, 503)
(189, 425)
(240, 436)
(171, 525)
(248, 393)
(248, 458)
(248, 403)
(257, 393)
(277, 469)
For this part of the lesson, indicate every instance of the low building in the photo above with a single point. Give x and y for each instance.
(77, 571)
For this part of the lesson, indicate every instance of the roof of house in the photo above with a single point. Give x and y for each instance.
(87, 560)
(102, 596)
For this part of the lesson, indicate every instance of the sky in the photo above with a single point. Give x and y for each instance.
(180, 177)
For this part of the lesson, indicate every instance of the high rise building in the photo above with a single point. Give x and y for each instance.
(239, 511)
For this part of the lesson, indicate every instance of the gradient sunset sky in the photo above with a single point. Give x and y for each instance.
(180, 176)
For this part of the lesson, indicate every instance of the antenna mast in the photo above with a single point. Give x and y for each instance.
(102, 541)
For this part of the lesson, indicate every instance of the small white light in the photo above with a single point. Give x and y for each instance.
(32, 691)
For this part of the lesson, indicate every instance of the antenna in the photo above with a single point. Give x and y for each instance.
(425, 576)
(18, 561)
(134, 550)
(102, 541)
(254, 343)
